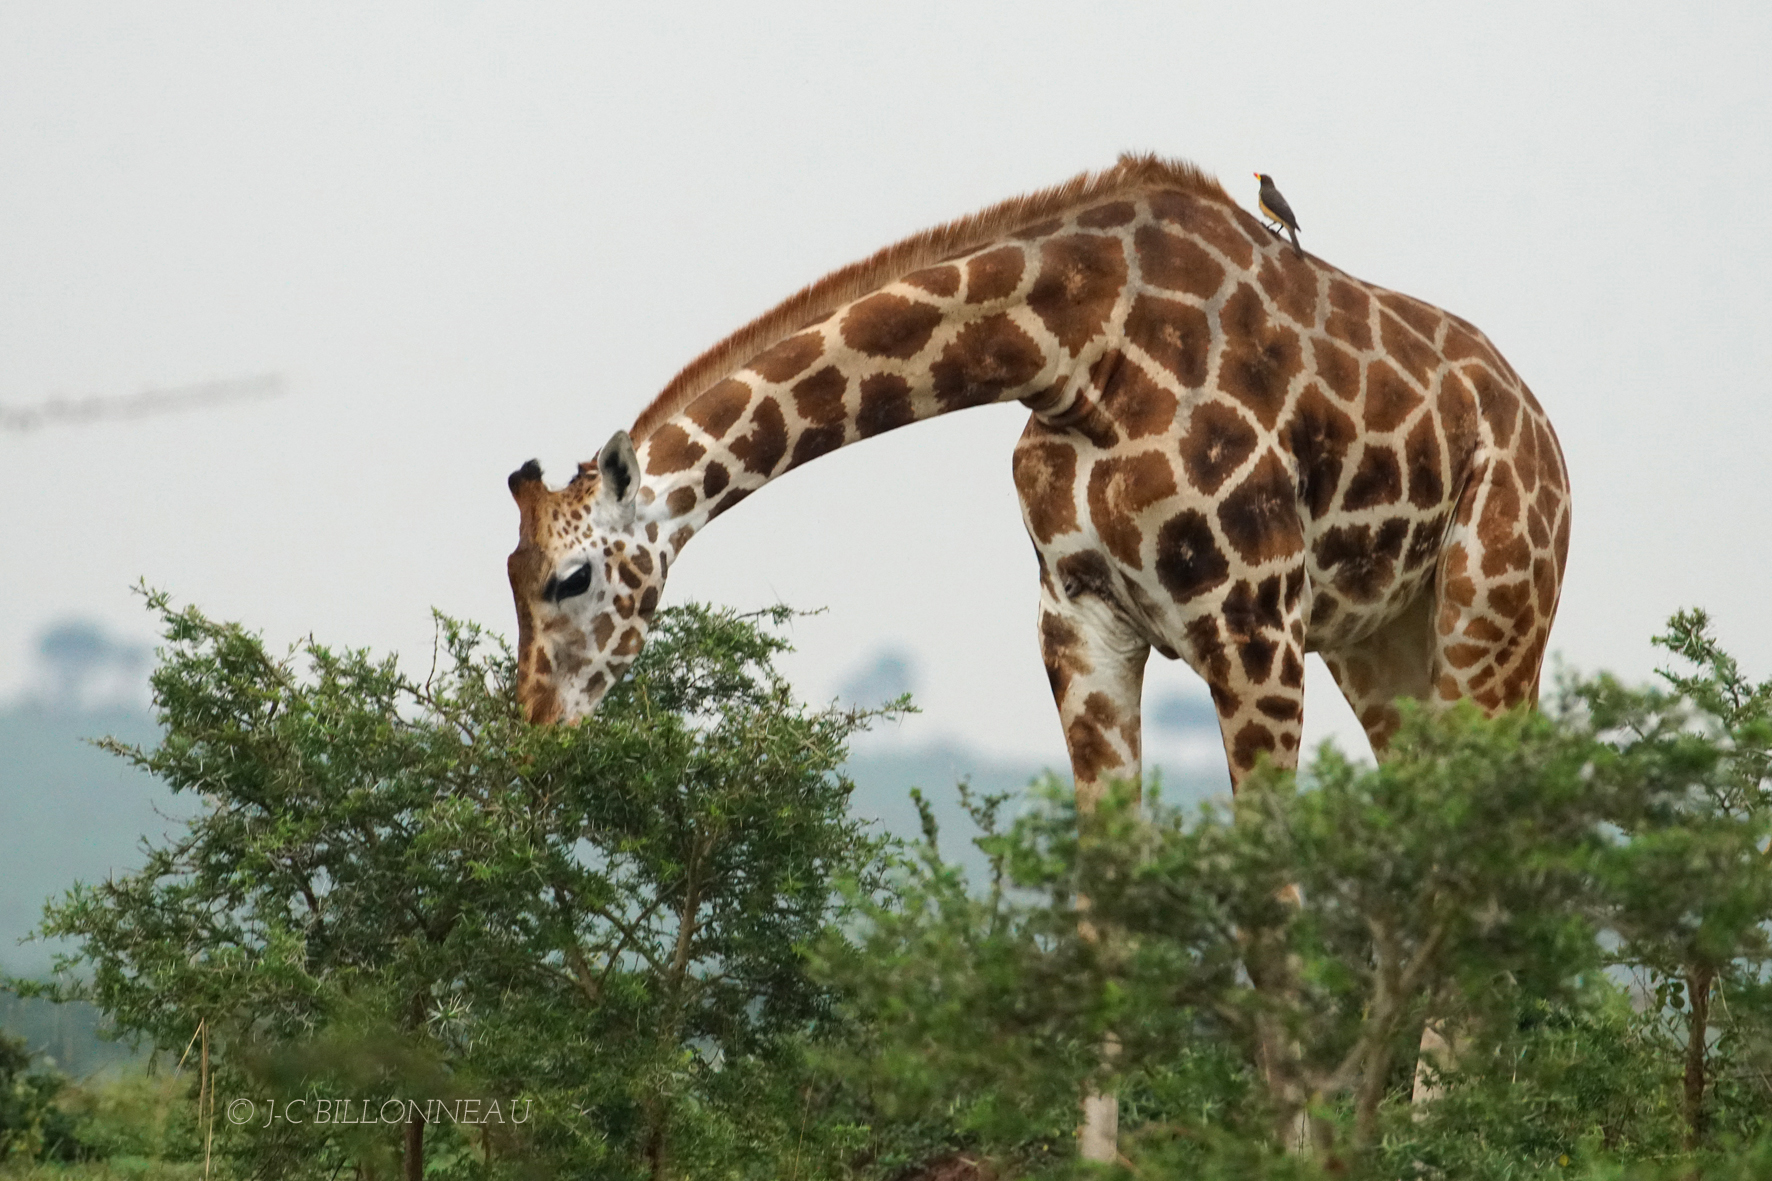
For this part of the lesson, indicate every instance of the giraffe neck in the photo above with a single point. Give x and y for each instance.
(1008, 322)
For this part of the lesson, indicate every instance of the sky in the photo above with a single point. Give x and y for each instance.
(462, 235)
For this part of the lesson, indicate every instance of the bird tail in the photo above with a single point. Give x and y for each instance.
(1293, 234)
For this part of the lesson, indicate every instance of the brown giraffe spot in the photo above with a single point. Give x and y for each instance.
(1319, 438)
(652, 531)
(1360, 562)
(672, 450)
(643, 561)
(624, 606)
(630, 576)
(1448, 687)
(1389, 398)
(1323, 608)
(723, 405)
(648, 602)
(1061, 647)
(630, 643)
(681, 536)
(1091, 752)
(1249, 609)
(1350, 315)
(1421, 455)
(1086, 573)
(1257, 654)
(819, 398)
(1259, 358)
(1046, 477)
(1483, 630)
(1217, 441)
(1509, 599)
(1179, 264)
(1207, 221)
(1425, 542)
(1120, 489)
(1080, 280)
(1189, 562)
(890, 326)
(1294, 586)
(1497, 404)
(714, 479)
(1291, 669)
(1377, 481)
(1403, 346)
(762, 448)
(789, 358)
(1460, 590)
(595, 682)
(1210, 657)
(1281, 709)
(1106, 217)
(987, 359)
(994, 275)
(1339, 369)
(1174, 335)
(1464, 655)
(602, 631)
(885, 404)
(681, 501)
(1501, 507)
(1457, 412)
(814, 442)
(1260, 518)
(1251, 741)
(943, 280)
(1291, 286)
(1419, 316)
(1562, 543)
(542, 665)
(1127, 394)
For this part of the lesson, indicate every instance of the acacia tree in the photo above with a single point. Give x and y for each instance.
(399, 888)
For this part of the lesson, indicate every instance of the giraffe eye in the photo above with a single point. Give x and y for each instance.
(576, 583)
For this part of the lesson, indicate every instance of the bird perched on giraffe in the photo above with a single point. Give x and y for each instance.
(1275, 209)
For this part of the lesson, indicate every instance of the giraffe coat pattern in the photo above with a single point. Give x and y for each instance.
(1235, 455)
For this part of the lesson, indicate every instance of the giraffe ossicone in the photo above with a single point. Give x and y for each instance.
(1235, 455)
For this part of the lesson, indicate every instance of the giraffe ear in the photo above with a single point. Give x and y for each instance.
(620, 471)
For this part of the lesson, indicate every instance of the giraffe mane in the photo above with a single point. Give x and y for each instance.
(1132, 173)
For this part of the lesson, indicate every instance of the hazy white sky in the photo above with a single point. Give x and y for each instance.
(467, 234)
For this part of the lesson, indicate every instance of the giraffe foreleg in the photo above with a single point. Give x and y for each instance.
(1095, 663)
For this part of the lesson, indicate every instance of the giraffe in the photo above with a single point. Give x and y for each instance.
(1235, 455)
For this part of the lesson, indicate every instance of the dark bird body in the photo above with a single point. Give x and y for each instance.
(1274, 208)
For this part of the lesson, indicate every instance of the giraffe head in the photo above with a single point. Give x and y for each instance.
(586, 578)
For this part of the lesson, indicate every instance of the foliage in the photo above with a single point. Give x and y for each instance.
(661, 935)
(401, 890)
(1502, 880)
